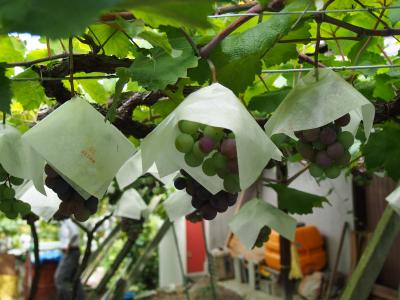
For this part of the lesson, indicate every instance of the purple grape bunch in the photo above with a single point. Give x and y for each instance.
(206, 204)
(72, 203)
(212, 148)
(326, 148)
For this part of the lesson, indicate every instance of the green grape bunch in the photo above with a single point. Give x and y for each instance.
(326, 148)
(9, 205)
(206, 204)
(212, 148)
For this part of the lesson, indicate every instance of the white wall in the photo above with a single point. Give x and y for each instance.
(329, 219)
(169, 269)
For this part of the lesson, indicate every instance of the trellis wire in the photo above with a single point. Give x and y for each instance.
(342, 68)
(328, 11)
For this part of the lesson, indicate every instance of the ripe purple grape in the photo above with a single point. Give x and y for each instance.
(311, 135)
(180, 183)
(197, 202)
(299, 135)
(233, 166)
(335, 151)
(323, 160)
(343, 120)
(327, 136)
(206, 144)
(220, 204)
(50, 172)
(92, 204)
(228, 148)
(208, 212)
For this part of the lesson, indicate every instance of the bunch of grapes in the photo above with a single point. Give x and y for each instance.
(206, 204)
(132, 227)
(10, 206)
(213, 148)
(72, 203)
(327, 148)
(262, 237)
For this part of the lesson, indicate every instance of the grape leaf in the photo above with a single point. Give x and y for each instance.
(155, 38)
(383, 87)
(394, 14)
(269, 101)
(161, 69)
(192, 13)
(383, 150)
(237, 58)
(93, 88)
(123, 79)
(295, 201)
(29, 93)
(114, 41)
(54, 19)
(5, 90)
(11, 49)
(280, 53)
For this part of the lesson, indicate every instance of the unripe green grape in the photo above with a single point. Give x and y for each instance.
(346, 139)
(220, 161)
(188, 127)
(345, 159)
(208, 167)
(3, 176)
(197, 151)
(16, 180)
(305, 150)
(231, 183)
(5, 205)
(22, 207)
(215, 133)
(192, 160)
(184, 143)
(8, 193)
(222, 173)
(12, 214)
(230, 135)
(315, 171)
(333, 171)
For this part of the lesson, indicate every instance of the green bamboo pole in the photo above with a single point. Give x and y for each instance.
(364, 276)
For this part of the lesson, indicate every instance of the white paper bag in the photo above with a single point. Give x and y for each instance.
(131, 205)
(77, 141)
(312, 104)
(217, 106)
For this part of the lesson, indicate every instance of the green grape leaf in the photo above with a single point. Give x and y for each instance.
(123, 79)
(55, 19)
(114, 41)
(191, 13)
(295, 201)
(383, 150)
(394, 14)
(12, 49)
(155, 38)
(93, 88)
(161, 69)
(280, 53)
(237, 58)
(269, 101)
(5, 90)
(383, 87)
(29, 93)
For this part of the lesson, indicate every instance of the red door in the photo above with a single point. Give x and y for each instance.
(196, 253)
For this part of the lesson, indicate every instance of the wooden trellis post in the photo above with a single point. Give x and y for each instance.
(364, 276)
